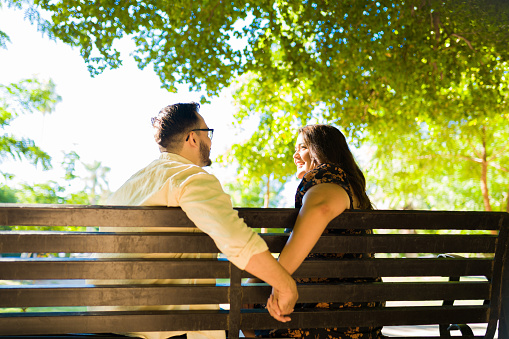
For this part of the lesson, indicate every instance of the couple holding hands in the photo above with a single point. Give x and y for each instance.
(331, 183)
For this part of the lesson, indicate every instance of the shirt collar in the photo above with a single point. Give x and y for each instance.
(176, 157)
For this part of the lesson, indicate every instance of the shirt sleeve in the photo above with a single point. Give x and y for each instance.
(203, 200)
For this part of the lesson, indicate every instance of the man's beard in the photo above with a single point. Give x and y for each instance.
(205, 154)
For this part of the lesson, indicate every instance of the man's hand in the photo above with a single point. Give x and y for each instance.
(281, 303)
(284, 289)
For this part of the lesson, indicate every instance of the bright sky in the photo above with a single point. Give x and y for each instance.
(106, 118)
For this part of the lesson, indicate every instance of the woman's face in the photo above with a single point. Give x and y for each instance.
(301, 157)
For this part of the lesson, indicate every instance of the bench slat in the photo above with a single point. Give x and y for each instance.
(135, 216)
(388, 316)
(407, 291)
(396, 267)
(435, 220)
(61, 269)
(94, 242)
(120, 322)
(91, 216)
(122, 295)
(114, 295)
(97, 322)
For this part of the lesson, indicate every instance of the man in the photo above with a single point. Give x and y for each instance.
(177, 179)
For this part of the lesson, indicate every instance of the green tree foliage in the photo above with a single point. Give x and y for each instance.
(459, 165)
(396, 74)
(7, 194)
(257, 193)
(4, 39)
(25, 97)
(51, 192)
(352, 53)
(30, 96)
(31, 13)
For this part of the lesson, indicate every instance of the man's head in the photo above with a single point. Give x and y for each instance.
(182, 130)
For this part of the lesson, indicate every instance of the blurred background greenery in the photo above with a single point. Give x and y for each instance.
(419, 87)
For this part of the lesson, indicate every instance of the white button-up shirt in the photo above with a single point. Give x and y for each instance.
(174, 181)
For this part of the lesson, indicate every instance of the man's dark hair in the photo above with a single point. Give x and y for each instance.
(173, 123)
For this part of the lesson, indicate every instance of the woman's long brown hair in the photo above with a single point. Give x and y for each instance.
(327, 144)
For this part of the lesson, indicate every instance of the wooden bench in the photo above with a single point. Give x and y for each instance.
(416, 283)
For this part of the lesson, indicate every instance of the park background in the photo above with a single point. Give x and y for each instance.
(420, 89)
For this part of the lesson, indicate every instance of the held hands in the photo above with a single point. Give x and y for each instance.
(281, 303)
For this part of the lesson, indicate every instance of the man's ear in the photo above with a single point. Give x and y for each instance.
(192, 139)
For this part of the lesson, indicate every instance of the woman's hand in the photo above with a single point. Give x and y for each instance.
(280, 304)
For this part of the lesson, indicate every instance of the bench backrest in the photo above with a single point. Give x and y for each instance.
(406, 258)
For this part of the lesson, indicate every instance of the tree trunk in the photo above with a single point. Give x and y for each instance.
(266, 201)
(266, 198)
(484, 174)
(507, 206)
(484, 186)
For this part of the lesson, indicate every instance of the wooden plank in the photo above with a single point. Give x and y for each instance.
(136, 216)
(65, 268)
(97, 322)
(164, 242)
(129, 295)
(95, 242)
(387, 291)
(107, 322)
(85, 215)
(388, 316)
(394, 243)
(111, 295)
(34, 269)
(400, 267)
(391, 219)
(235, 300)
(394, 267)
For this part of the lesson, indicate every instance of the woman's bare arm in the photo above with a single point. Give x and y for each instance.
(320, 205)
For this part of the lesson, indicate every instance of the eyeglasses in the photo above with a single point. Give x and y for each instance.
(210, 132)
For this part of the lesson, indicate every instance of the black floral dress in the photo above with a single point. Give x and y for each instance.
(329, 173)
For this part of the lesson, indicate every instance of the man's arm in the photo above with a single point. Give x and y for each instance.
(206, 204)
(284, 295)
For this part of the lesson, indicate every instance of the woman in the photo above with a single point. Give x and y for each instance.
(331, 183)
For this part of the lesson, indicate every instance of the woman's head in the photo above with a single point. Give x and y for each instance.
(326, 144)
(320, 144)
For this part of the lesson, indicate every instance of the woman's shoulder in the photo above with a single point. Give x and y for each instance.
(323, 174)
(326, 173)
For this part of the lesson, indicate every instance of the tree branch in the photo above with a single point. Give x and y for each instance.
(497, 166)
(213, 11)
(462, 38)
(495, 155)
(473, 148)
